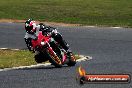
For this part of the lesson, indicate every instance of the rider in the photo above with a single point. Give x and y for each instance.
(31, 33)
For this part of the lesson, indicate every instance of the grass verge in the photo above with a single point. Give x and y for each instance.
(15, 58)
(12, 58)
(86, 12)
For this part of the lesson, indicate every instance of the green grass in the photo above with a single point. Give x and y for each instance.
(13, 58)
(86, 12)
(10, 58)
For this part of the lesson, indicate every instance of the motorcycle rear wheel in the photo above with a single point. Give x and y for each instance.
(72, 60)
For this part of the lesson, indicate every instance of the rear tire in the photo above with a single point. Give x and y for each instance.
(72, 60)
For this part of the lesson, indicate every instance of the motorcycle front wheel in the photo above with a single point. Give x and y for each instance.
(54, 59)
(41, 57)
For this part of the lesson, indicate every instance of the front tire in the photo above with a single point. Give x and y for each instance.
(38, 59)
(54, 59)
(41, 57)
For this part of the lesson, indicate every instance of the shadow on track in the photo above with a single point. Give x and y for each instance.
(42, 67)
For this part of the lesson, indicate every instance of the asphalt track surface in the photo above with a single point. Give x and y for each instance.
(111, 49)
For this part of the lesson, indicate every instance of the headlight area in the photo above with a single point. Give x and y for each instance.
(42, 43)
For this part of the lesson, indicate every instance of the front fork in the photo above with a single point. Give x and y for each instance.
(62, 51)
(53, 54)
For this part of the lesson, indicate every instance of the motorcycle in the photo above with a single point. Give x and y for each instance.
(46, 48)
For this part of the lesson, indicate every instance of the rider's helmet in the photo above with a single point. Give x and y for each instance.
(30, 25)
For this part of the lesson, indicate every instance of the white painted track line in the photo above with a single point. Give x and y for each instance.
(83, 58)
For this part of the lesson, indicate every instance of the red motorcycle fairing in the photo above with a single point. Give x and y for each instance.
(43, 38)
(37, 45)
(43, 44)
(40, 38)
